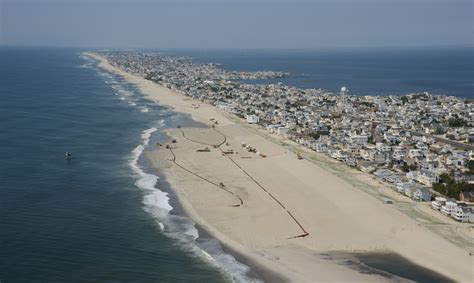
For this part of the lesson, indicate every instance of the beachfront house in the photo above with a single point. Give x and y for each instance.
(449, 207)
(401, 187)
(427, 178)
(417, 193)
(438, 203)
(321, 147)
(385, 175)
(351, 161)
(367, 166)
(252, 119)
(463, 214)
(421, 194)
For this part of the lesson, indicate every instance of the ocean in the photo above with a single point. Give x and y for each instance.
(373, 71)
(98, 216)
(104, 215)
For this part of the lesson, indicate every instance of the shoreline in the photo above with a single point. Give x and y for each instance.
(268, 255)
(257, 271)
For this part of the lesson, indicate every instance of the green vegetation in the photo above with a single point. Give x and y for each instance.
(439, 131)
(449, 187)
(420, 96)
(371, 140)
(317, 134)
(404, 99)
(456, 122)
(367, 104)
(407, 168)
(470, 166)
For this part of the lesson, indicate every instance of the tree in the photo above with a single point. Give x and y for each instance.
(371, 140)
(315, 135)
(439, 131)
(404, 99)
(470, 166)
(408, 168)
(456, 122)
(449, 187)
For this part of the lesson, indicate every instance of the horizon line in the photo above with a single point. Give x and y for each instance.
(238, 48)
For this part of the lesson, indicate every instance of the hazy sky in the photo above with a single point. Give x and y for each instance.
(236, 23)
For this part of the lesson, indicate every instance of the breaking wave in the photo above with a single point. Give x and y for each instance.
(157, 203)
(181, 228)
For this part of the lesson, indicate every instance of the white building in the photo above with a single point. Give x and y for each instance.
(463, 214)
(438, 203)
(358, 139)
(421, 194)
(427, 178)
(383, 147)
(414, 153)
(402, 186)
(252, 119)
(449, 207)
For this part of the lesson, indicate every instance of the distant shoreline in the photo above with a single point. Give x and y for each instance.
(358, 68)
(283, 256)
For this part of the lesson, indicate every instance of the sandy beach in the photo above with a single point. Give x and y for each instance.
(282, 213)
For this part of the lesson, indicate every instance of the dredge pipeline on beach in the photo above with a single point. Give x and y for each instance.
(304, 232)
(205, 179)
(338, 210)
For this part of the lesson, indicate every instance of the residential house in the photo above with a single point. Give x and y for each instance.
(466, 196)
(438, 203)
(463, 214)
(427, 178)
(449, 207)
(421, 194)
(252, 119)
(367, 166)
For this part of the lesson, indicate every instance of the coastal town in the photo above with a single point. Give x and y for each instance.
(419, 144)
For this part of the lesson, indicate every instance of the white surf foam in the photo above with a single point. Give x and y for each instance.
(181, 228)
(154, 199)
(117, 87)
(146, 134)
(125, 92)
(144, 109)
(89, 62)
(108, 76)
(227, 262)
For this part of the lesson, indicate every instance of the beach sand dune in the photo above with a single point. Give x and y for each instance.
(280, 212)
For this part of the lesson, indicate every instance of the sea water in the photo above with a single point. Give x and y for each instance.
(99, 216)
(365, 71)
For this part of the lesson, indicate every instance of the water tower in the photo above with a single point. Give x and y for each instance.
(344, 94)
